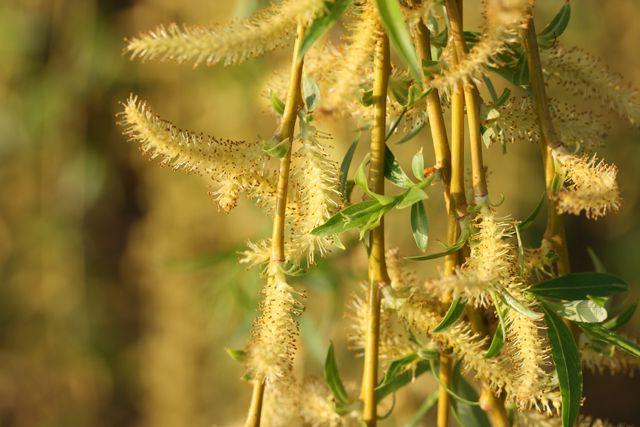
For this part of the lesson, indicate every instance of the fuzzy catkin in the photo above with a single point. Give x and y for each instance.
(269, 29)
(233, 166)
(590, 186)
(587, 76)
(274, 335)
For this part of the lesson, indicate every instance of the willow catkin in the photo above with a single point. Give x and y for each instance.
(269, 29)
(590, 185)
(587, 76)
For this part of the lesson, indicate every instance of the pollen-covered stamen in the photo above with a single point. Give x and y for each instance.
(274, 336)
(590, 185)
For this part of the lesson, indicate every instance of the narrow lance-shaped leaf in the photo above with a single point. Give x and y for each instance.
(580, 286)
(420, 225)
(604, 334)
(393, 21)
(465, 233)
(332, 378)
(622, 318)
(456, 309)
(394, 172)
(497, 342)
(412, 133)
(467, 415)
(344, 168)
(566, 358)
(526, 223)
(322, 24)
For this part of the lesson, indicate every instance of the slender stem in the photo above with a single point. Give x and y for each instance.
(555, 232)
(443, 163)
(255, 409)
(378, 276)
(285, 132)
(472, 102)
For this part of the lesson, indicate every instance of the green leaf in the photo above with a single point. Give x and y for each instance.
(604, 334)
(400, 90)
(361, 181)
(556, 27)
(347, 218)
(579, 286)
(310, 93)
(455, 311)
(580, 311)
(420, 225)
(424, 408)
(344, 168)
(412, 133)
(467, 415)
(393, 22)
(518, 306)
(465, 233)
(526, 223)
(598, 265)
(237, 355)
(277, 103)
(567, 361)
(332, 378)
(410, 197)
(622, 318)
(394, 124)
(417, 165)
(322, 24)
(394, 172)
(400, 377)
(497, 342)
(276, 148)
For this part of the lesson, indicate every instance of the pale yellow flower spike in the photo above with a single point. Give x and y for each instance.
(351, 68)
(269, 29)
(587, 76)
(233, 165)
(515, 121)
(274, 336)
(505, 20)
(589, 185)
(316, 405)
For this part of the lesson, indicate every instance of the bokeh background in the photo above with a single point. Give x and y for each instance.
(119, 283)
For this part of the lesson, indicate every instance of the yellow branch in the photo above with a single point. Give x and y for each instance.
(378, 276)
(555, 232)
(285, 132)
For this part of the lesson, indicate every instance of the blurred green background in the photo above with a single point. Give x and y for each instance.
(119, 287)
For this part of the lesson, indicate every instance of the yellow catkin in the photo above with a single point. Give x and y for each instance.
(590, 186)
(587, 76)
(515, 121)
(314, 188)
(357, 58)
(274, 335)
(232, 165)
(269, 29)
(316, 405)
(505, 20)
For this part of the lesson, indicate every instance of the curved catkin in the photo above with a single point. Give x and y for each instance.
(490, 265)
(587, 76)
(269, 29)
(515, 121)
(505, 20)
(274, 335)
(590, 186)
(351, 67)
(233, 165)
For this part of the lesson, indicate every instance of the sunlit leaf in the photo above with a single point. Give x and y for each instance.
(420, 225)
(604, 334)
(332, 378)
(465, 233)
(455, 311)
(579, 286)
(322, 24)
